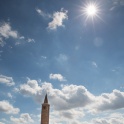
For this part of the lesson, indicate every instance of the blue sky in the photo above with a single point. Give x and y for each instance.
(54, 46)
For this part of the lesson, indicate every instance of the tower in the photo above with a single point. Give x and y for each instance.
(45, 111)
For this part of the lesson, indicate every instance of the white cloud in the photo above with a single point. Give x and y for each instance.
(94, 64)
(30, 40)
(30, 88)
(43, 14)
(22, 37)
(6, 80)
(44, 57)
(40, 11)
(58, 18)
(57, 77)
(9, 95)
(62, 59)
(116, 3)
(68, 116)
(2, 43)
(70, 96)
(23, 40)
(73, 96)
(109, 101)
(6, 31)
(6, 107)
(76, 101)
(72, 113)
(2, 123)
(16, 90)
(115, 118)
(4, 120)
(24, 118)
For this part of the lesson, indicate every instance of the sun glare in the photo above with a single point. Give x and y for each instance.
(91, 10)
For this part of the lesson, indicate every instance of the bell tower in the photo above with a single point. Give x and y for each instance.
(45, 111)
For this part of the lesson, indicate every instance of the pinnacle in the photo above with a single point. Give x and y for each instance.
(46, 100)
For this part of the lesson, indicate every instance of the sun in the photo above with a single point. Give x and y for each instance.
(91, 10)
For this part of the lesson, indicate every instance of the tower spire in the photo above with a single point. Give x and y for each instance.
(46, 100)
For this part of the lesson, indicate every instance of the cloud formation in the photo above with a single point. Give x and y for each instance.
(68, 116)
(110, 101)
(2, 43)
(57, 77)
(115, 118)
(30, 88)
(7, 80)
(24, 118)
(116, 3)
(62, 59)
(73, 96)
(58, 18)
(2, 123)
(9, 95)
(70, 96)
(43, 14)
(94, 64)
(7, 108)
(30, 40)
(6, 32)
(40, 12)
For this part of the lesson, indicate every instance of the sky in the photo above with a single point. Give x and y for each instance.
(71, 52)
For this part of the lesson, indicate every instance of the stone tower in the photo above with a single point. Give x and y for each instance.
(45, 111)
